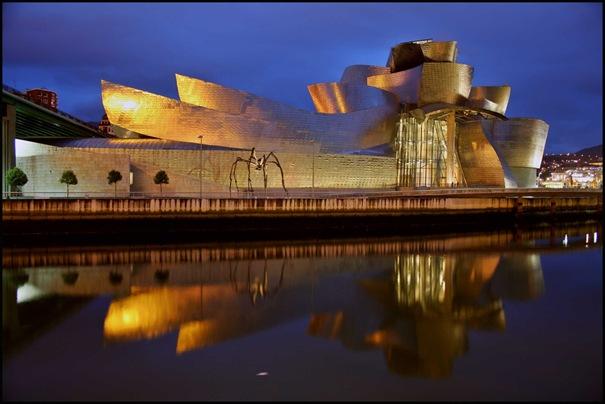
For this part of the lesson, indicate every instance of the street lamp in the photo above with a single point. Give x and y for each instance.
(313, 170)
(201, 137)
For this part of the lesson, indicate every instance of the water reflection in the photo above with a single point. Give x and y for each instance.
(414, 300)
(428, 303)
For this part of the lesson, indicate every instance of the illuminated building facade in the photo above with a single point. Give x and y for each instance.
(416, 122)
(421, 109)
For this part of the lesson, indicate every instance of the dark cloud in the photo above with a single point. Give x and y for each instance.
(551, 54)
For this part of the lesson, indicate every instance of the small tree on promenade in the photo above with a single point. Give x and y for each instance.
(112, 178)
(15, 178)
(68, 178)
(161, 178)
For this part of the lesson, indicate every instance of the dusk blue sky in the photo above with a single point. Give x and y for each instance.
(550, 54)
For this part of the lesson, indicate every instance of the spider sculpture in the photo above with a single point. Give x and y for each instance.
(258, 164)
(256, 288)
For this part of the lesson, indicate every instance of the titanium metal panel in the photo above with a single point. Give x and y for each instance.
(498, 95)
(526, 177)
(445, 82)
(408, 55)
(520, 144)
(214, 96)
(482, 104)
(440, 51)
(165, 118)
(521, 140)
(405, 56)
(478, 159)
(340, 98)
(358, 74)
(404, 84)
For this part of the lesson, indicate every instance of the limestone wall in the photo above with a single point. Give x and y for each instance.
(331, 170)
(183, 169)
(44, 171)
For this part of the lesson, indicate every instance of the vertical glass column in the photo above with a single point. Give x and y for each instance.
(421, 152)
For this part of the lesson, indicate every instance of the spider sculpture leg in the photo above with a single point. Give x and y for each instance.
(276, 162)
(233, 173)
(265, 177)
(249, 177)
(274, 291)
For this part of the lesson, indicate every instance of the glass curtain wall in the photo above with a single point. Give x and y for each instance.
(422, 154)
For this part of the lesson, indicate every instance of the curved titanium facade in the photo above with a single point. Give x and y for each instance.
(482, 104)
(427, 84)
(454, 133)
(445, 82)
(408, 55)
(520, 143)
(440, 51)
(214, 96)
(405, 56)
(358, 74)
(340, 98)
(165, 118)
(478, 159)
(405, 84)
(496, 95)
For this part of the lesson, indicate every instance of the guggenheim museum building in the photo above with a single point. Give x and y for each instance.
(417, 122)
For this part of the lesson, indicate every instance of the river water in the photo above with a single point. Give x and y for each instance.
(509, 315)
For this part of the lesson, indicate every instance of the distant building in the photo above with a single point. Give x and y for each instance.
(105, 127)
(43, 97)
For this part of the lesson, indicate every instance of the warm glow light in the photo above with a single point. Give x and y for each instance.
(196, 335)
(28, 292)
(120, 102)
(151, 313)
(130, 104)
(129, 317)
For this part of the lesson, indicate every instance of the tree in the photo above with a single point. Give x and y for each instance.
(161, 178)
(16, 178)
(68, 178)
(112, 178)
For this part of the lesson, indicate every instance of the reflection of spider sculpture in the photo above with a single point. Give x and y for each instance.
(259, 164)
(256, 288)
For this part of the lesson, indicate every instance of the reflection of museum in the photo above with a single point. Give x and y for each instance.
(418, 121)
(416, 308)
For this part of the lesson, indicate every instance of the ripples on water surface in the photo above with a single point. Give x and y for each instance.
(482, 316)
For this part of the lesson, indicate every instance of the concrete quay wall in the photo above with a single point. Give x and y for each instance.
(70, 209)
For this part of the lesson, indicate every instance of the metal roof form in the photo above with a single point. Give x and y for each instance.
(113, 143)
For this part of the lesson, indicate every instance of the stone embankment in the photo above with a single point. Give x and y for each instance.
(100, 220)
(444, 204)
